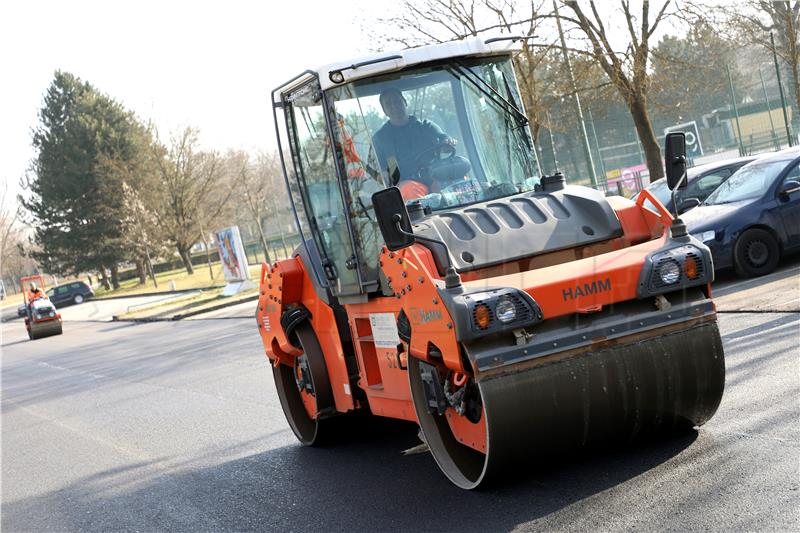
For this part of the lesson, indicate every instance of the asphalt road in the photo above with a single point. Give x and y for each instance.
(176, 426)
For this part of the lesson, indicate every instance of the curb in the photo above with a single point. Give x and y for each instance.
(137, 295)
(186, 314)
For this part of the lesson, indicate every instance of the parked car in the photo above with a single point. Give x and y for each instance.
(702, 181)
(22, 310)
(753, 218)
(75, 292)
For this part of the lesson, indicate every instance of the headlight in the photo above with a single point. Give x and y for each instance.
(500, 309)
(669, 272)
(685, 266)
(706, 236)
(505, 310)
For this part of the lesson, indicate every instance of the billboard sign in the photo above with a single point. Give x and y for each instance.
(232, 254)
(693, 146)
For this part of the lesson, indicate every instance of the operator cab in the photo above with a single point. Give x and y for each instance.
(444, 123)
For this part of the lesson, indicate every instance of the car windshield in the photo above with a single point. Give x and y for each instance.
(751, 181)
(660, 190)
(447, 136)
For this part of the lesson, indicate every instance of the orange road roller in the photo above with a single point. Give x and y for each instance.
(444, 280)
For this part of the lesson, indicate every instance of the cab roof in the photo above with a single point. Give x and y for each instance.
(384, 62)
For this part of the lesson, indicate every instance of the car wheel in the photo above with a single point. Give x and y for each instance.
(755, 253)
(78, 299)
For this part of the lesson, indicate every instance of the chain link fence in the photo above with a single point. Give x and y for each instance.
(755, 119)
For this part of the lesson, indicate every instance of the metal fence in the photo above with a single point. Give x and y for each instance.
(756, 115)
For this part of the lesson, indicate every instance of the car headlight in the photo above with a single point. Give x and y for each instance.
(705, 236)
(505, 310)
(669, 272)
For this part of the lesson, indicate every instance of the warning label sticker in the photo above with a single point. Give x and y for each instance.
(384, 330)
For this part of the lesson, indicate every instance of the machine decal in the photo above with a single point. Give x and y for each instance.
(384, 330)
(421, 316)
(587, 289)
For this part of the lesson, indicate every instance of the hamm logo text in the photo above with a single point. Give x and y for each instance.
(587, 289)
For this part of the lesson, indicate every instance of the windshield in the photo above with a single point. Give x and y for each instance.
(447, 136)
(660, 190)
(751, 181)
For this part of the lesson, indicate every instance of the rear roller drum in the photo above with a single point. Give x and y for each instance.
(304, 390)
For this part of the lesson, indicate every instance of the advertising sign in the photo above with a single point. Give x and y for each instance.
(693, 146)
(626, 181)
(232, 255)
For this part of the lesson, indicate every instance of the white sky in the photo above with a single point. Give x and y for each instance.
(178, 63)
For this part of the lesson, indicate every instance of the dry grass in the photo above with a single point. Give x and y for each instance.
(177, 279)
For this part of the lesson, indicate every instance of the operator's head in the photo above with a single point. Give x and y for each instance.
(394, 105)
(33, 286)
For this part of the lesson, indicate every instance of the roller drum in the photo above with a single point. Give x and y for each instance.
(611, 394)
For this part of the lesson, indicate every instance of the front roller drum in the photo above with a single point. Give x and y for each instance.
(305, 391)
(611, 394)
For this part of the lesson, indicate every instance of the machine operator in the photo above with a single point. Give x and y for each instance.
(402, 139)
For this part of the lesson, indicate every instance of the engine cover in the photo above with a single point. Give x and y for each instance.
(524, 225)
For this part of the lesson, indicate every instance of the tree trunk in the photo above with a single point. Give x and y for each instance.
(287, 252)
(644, 128)
(115, 276)
(208, 255)
(186, 258)
(140, 271)
(149, 264)
(104, 278)
(264, 244)
(796, 83)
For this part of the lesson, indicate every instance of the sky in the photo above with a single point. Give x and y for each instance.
(210, 65)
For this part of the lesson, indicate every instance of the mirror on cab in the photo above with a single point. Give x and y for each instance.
(675, 159)
(390, 208)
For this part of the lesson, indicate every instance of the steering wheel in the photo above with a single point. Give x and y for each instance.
(440, 150)
(439, 166)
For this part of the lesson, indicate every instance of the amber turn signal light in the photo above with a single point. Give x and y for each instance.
(690, 267)
(482, 316)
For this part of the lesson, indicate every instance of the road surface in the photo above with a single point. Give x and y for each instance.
(176, 426)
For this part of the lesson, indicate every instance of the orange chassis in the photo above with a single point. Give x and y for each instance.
(413, 278)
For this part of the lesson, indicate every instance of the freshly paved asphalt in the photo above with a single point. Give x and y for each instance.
(176, 426)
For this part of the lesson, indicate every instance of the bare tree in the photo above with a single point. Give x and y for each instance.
(438, 21)
(141, 234)
(261, 185)
(756, 19)
(9, 216)
(193, 196)
(627, 70)
(14, 259)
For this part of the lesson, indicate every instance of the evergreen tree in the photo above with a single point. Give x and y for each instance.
(87, 145)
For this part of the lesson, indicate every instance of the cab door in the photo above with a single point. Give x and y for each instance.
(316, 185)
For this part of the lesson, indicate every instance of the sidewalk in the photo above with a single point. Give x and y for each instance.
(192, 305)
